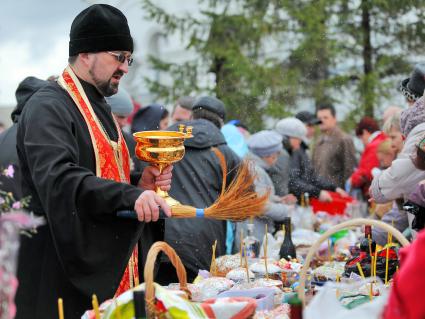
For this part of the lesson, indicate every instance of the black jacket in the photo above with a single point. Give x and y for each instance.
(302, 177)
(197, 181)
(8, 154)
(84, 248)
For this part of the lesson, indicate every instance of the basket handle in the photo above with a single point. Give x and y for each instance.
(350, 223)
(155, 249)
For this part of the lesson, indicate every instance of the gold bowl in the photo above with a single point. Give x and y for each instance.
(162, 148)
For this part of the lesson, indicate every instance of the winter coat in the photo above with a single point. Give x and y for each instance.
(303, 178)
(334, 157)
(197, 181)
(84, 247)
(8, 154)
(418, 195)
(400, 179)
(406, 299)
(275, 210)
(362, 176)
(395, 217)
(279, 173)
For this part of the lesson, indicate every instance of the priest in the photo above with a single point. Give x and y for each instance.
(75, 167)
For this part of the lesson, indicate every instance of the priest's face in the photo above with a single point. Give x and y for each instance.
(106, 71)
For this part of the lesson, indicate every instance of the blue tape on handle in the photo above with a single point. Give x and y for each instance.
(200, 213)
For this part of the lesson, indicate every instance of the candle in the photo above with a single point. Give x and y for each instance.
(371, 291)
(95, 304)
(60, 308)
(359, 267)
(213, 268)
(265, 254)
(389, 241)
(241, 247)
(246, 266)
(375, 259)
(338, 279)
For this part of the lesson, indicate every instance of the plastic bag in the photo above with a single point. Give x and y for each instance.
(326, 304)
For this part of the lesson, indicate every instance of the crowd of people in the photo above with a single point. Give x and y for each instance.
(72, 149)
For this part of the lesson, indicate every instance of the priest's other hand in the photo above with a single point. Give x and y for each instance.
(147, 206)
(151, 178)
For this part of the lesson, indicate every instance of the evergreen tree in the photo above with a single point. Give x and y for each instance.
(269, 56)
(229, 39)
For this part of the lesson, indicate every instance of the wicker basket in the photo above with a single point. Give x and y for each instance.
(149, 273)
(351, 223)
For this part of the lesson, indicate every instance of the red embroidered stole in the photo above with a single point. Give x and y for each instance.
(112, 158)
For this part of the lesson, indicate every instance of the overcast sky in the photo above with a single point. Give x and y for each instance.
(33, 40)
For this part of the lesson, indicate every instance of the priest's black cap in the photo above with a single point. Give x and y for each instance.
(211, 104)
(100, 27)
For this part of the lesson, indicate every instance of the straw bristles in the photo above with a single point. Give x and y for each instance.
(223, 165)
(239, 201)
(183, 211)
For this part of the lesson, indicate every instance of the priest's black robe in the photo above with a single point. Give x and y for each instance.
(83, 248)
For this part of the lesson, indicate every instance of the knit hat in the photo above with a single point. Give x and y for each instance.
(292, 127)
(265, 143)
(413, 87)
(120, 103)
(211, 104)
(100, 27)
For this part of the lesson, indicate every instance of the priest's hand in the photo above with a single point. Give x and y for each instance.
(151, 178)
(147, 206)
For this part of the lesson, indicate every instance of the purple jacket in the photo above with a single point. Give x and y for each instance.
(418, 195)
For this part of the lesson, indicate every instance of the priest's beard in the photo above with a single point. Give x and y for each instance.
(106, 88)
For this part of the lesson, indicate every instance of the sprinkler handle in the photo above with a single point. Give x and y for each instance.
(132, 214)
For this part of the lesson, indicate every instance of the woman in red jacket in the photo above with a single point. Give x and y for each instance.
(368, 131)
(406, 300)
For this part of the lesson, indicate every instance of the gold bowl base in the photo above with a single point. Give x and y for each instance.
(168, 199)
